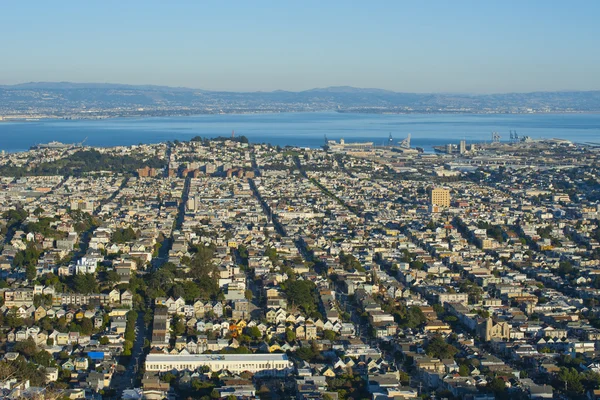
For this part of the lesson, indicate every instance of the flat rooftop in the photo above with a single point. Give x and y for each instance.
(216, 357)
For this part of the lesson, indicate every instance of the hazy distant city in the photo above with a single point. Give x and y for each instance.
(69, 100)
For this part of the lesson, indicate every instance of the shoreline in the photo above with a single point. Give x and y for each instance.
(434, 148)
(302, 129)
(48, 118)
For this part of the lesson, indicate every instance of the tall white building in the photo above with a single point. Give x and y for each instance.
(86, 266)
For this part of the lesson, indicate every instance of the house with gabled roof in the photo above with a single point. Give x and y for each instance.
(39, 313)
(300, 332)
(68, 365)
(114, 297)
(22, 312)
(198, 308)
(280, 329)
(270, 316)
(218, 309)
(127, 299)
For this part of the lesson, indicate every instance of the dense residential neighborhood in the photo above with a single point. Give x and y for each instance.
(226, 269)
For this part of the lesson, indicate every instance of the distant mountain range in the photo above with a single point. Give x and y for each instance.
(106, 99)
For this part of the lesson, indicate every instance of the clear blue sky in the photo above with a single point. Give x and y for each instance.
(419, 46)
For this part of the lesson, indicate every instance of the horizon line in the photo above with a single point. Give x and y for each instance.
(358, 88)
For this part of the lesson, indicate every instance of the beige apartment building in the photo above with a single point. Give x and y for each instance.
(440, 197)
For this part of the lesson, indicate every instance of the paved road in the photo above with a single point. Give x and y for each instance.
(126, 380)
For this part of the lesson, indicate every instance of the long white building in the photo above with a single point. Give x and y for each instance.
(260, 364)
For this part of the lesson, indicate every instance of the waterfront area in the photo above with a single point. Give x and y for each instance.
(232, 269)
(304, 129)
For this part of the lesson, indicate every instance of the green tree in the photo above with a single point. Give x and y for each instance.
(85, 283)
(570, 379)
(124, 235)
(329, 335)
(168, 377)
(243, 252)
(44, 359)
(12, 320)
(590, 379)
(306, 353)
(27, 257)
(497, 386)
(177, 291)
(112, 277)
(417, 265)
(272, 254)
(472, 289)
(30, 272)
(301, 293)
(86, 326)
(438, 348)
(27, 347)
(204, 271)
(349, 262)
(254, 332)
(178, 326)
(565, 268)
(290, 335)
(127, 346)
(191, 291)
(411, 318)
